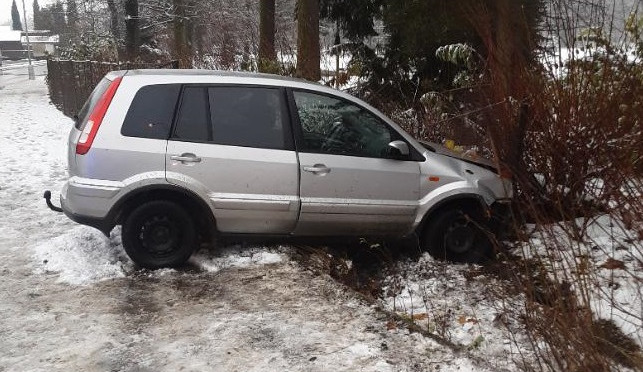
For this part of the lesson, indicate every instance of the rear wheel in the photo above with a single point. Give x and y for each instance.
(159, 234)
(458, 234)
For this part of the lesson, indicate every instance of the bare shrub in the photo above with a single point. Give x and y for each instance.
(570, 131)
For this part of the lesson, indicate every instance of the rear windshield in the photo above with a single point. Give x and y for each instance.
(83, 114)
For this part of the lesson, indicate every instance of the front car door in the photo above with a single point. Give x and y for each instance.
(350, 184)
(234, 144)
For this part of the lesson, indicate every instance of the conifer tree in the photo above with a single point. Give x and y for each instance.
(72, 15)
(37, 16)
(407, 62)
(16, 24)
(58, 23)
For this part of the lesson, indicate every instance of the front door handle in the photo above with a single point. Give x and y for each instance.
(186, 158)
(317, 169)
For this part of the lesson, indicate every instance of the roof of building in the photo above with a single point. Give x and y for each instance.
(7, 34)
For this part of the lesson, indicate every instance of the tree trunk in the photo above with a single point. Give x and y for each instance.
(503, 29)
(182, 34)
(113, 19)
(510, 63)
(132, 29)
(267, 56)
(308, 40)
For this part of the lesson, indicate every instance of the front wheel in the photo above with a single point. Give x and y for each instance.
(159, 234)
(459, 235)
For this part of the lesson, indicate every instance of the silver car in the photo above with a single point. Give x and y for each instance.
(178, 157)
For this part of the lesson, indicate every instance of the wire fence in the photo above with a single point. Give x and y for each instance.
(71, 82)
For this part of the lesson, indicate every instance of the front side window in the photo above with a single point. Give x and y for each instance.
(335, 126)
(234, 116)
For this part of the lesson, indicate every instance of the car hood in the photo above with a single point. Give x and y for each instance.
(469, 158)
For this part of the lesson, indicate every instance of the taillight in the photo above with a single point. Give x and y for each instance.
(96, 117)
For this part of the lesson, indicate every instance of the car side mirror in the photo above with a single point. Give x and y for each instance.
(398, 149)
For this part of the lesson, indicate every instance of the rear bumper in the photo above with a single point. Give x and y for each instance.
(102, 224)
(89, 197)
(88, 201)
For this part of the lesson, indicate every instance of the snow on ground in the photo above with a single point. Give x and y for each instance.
(238, 256)
(610, 258)
(461, 306)
(477, 312)
(84, 256)
(32, 146)
(72, 301)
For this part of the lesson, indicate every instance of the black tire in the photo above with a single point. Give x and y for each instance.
(458, 235)
(159, 234)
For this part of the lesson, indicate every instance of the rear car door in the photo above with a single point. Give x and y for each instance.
(235, 143)
(349, 182)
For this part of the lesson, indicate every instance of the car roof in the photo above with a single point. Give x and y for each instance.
(194, 76)
(225, 76)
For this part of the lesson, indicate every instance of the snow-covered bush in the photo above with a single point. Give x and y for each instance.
(90, 47)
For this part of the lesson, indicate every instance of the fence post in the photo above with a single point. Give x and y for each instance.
(68, 87)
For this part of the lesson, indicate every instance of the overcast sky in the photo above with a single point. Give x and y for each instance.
(5, 10)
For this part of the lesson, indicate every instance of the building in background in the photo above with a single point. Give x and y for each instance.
(13, 44)
(10, 43)
(43, 43)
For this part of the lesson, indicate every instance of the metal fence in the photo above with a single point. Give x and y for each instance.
(71, 82)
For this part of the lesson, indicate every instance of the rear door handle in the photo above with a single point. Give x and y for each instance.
(317, 169)
(186, 158)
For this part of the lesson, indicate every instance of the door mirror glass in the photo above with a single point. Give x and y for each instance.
(398, 149)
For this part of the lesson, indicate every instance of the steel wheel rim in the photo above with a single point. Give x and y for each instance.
(159, 236)
(460, 237)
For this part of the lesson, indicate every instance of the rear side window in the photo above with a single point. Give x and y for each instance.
(89, 105)
(151, 113)
(248, 116)
(193, 121)
(234, 116)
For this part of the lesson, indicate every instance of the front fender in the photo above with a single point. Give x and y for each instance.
(459, 190)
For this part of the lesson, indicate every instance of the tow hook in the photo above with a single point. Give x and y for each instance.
(49, 204)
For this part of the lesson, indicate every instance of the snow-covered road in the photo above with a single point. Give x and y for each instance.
(70, 300)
